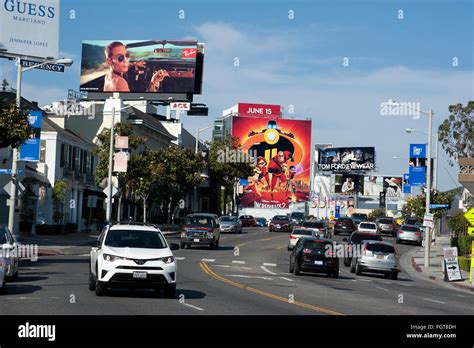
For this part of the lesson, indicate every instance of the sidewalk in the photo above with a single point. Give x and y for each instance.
(413, 263)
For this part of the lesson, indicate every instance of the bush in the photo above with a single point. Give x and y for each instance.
(464, 263)
(465, 245)
(48, 229)
(375, 214)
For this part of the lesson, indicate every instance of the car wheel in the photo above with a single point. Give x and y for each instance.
(216, 245)
(352, 268)
(394, 275)
(169, 291)
(394, 234)
(291, 268)
(347, 262)
(297, 268)
(398, 241)
(213, 245)
(358, 270)
(336, 274)
(3, 289)
(91, 281)
(387, 275)
(182, 245)
(99, 289)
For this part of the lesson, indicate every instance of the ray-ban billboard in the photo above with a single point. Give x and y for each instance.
(152, 66)
(346, 159)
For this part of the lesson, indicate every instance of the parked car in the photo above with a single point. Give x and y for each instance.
(318, 226)
(132, 256)
(387, 225)
(261, 222)
(410, 233)
(298, 233)
(377, 257)
(413, 221)
(230, 224)
(280, 223)
(344, 225)
(368, 227)
(311, 255)
(3, 283)
(248, 221)
(201, 229)
(9, 252)
(356, 239)
(296, 218)
(359, 217)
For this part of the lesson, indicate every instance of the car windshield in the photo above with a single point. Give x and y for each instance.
(359, 216)
(316, 245)
(303, 232)
(410, 228)
(357, 238)
(246, 217)
(297, 215)
(386, 221)
(380, 248)
(313, 224)
(228, 219)
(135, 239)
(202, 221)
(280, 217)
(368, 226)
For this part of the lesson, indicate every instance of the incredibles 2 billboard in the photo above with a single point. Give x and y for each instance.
(282, 149)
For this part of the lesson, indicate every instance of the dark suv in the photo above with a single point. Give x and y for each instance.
(201, 229)
(314, 255)
(344, 225)
(387, 225)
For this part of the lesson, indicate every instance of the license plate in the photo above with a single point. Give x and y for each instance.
(139, 275)
(278, 226)
(380, 257)
(344, 227)
(319, 263)
(196, 240)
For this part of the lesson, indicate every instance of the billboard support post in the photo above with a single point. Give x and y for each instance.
(109, 178)
(428, 190)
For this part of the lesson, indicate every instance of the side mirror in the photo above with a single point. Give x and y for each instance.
(95, 244)
(344, 240)
(174, 246)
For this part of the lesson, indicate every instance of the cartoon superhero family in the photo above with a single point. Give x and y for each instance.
(276, 176)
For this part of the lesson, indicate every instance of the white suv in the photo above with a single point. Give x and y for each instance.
(132, 256)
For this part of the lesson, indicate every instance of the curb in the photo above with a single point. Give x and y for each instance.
(415, 265)
(49, 252)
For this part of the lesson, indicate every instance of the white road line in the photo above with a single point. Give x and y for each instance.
(84, 255)
(239, 262)
(378, 287)
(366, 280)
(245, 276)
(187, 304)
(428, 299)
(387, 282)
(270, 264)
(290, 280)
(266, 270)
(407, 285)
(23, 298)
(224, 266)
(180, 258)
(460, 295)
(236, 267)
(208, 260)
(353, 280)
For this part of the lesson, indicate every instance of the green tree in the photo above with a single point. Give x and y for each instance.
(14, 126)
(59, 193)
(456, 133)
(375, 214)
(415, 206)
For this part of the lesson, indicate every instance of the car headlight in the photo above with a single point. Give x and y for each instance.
(209, 234)
(183, 234)
(167, 260)
(112, 258)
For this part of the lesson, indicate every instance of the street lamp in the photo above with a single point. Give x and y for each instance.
(428, 181)
(196, 150)
(20, 70)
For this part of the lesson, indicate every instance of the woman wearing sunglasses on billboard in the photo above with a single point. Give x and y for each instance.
(118, 60)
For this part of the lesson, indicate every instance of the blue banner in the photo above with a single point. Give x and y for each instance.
(417, 151)
(417, 176)
(406, 188)
(30, 149)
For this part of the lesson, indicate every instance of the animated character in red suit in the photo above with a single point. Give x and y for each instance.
(278, 166)
(290, 186)
(261, 172)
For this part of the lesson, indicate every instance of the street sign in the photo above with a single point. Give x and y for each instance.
(439, 206)
(451, 264)
(470, 216)
(91, 201)
(470, 230)
(180, 106)
(114, 190)
(472, 262)
(428, 220)
(198, 110)
(8, 187)
(9, 172)
(51, 67)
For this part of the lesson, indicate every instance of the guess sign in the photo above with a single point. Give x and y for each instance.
(259, 110)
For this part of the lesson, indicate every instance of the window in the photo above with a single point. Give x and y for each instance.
(43, 151)
(63, 156)
(91, 166)
(69, 157)
(380, 248)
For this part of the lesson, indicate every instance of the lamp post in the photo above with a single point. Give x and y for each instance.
(20, 70)
(196, 150)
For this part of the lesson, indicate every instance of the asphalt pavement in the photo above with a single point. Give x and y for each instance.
(247, 275)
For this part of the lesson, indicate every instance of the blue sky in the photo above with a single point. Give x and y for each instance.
(298, 61)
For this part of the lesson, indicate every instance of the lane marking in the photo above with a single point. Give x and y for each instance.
(290, 280)
(378, 287)
(180, 258)
(23, 298)
(214, 275)
(236, 267)
(270, 264)
(261, 240)
(246, 276)
(460, 295)
(239, 262)
(208, 260)
(353, 280)
(267, 270)
(387, 282)
(187, 304)
(366, 280)
(407, 285)
(428, 299)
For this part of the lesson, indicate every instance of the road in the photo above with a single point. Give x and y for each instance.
(247, 275)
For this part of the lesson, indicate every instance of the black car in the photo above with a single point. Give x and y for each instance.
(315, 255)
(344, 225)
(359, 217)
(356, 239)
(296, 218)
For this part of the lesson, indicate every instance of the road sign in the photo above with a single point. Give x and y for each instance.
(470, 230)
(180, 106)
(472, 262)
(428, 220)
(451, 264)
(51, 67)
(8, 187)
(470, 216)
(9, 172)
(114, 190)
(439, 206)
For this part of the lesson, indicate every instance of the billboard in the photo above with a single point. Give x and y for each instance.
(30, 28)
(373, 185)
(348, 184)
(417, 150)
(392, 186)
(30, 149)
(156, 66)
(282, 149)
(347, 159)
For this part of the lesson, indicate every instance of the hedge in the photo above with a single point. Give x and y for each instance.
(464, 263)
